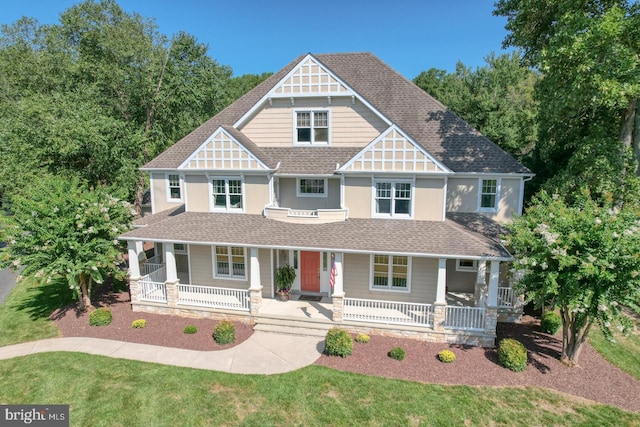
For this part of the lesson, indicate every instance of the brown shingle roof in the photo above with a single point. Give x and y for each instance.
(443, 134)
(428, 238)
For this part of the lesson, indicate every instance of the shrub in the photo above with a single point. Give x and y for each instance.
(512, 354)
(550, 322)
(190, 329)
(447, 356)
(100, 317)
(363, 338)
(397, 353)
(138, 324)
(224, 332)
(338, 342)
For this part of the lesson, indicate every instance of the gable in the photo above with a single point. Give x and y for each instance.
(310, 78)
(222, 151)
(393, 151)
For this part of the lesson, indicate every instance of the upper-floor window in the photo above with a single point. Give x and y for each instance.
(489, 189)
(174, 191)
(312, 127)
(230, 262)
(391, 272)
(226, 194)
(393, 198)
(312, 187)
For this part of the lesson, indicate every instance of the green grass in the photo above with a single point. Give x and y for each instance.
(624, 352)
(116, 392)
(24, 315)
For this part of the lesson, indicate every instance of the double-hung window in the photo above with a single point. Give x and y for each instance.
(489, 194)
(312, 127)
(393, 198)
(312, 187)
(391, 272)
(174, 191)
(230, 261)
(226, 194)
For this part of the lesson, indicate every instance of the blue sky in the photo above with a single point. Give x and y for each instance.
(254, 36)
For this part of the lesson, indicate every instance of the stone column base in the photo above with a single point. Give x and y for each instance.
(172, 293)
(439, 315)
(255, 300)
(338, 307)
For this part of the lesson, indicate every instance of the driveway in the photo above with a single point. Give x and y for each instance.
(7, 282)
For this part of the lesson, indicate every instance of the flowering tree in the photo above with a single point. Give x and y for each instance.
(60, 229)
(583, 259)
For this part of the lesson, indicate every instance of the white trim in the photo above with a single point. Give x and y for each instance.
(325, 193)
(393, 182)
(389, 288)
(445, 190)
(180, 251)
(312, 142)
(229, 259)
(180, 187)
(152, 194)
(465, 268)
(212, 207)
(497, 195)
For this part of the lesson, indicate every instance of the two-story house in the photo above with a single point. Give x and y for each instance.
(387, 205)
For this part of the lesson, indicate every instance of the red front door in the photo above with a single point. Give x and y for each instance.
(310, 271)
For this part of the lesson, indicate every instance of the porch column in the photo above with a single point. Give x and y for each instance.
(337, 297)
(172, 275)
(479, 294)
(255, 287)
(494, 278)
(134, 270)
(441, 290)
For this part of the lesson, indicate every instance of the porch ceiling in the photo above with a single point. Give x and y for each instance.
(452, 238)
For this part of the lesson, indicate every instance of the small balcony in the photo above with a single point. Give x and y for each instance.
(306, 216)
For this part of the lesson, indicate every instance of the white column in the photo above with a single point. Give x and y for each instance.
(441, 290)
(134, 263)
(494, 276)
(254, 270)
(481, 278)
(338, 286)
(170, 262)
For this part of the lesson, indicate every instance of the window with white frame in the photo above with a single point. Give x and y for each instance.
(230, 262)
(174, 191)
(489, 194)
(226, 194)
(466, 265)
(312, 127)
(391, 272)
(393, 198)
(180, 248)
(312, 187)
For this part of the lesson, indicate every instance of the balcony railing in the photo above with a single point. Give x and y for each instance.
(401, 313)
(209, 296)
(305, 215)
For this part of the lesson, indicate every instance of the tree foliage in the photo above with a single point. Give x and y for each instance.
(61, 229)
(581, 258)
(496, 99)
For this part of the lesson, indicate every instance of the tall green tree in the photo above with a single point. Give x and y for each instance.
(496, 99)
(61, 229)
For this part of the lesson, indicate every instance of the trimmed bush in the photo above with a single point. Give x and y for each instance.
(100, 317)
(138, 324)
(190, 329)
(224, 332)
(550, 322)
(447, 356)
(363, 338)
(397, 353)
(338, 342)
(512, 354)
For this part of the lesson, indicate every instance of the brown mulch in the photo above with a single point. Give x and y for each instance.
(595, 379)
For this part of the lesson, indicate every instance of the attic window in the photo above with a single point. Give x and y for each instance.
(312, 127)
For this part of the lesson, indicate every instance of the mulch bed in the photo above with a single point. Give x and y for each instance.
(595, 379)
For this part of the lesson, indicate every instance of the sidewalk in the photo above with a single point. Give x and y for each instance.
(263, 353)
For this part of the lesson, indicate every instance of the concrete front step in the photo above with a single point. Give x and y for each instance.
(292, 327)
(290, 330)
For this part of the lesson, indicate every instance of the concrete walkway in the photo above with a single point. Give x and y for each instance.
(263, 353)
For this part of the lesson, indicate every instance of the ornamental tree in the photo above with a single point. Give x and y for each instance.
(59, 228)
(582, 259)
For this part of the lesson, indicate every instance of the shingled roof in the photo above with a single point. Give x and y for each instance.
(442, 133)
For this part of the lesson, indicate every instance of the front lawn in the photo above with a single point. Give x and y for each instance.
(624, 352)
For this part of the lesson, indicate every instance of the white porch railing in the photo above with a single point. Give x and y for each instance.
(152, 286)
(464, 318)
(507, 298)
(148, 268)
(401, 313)
(209, 296)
